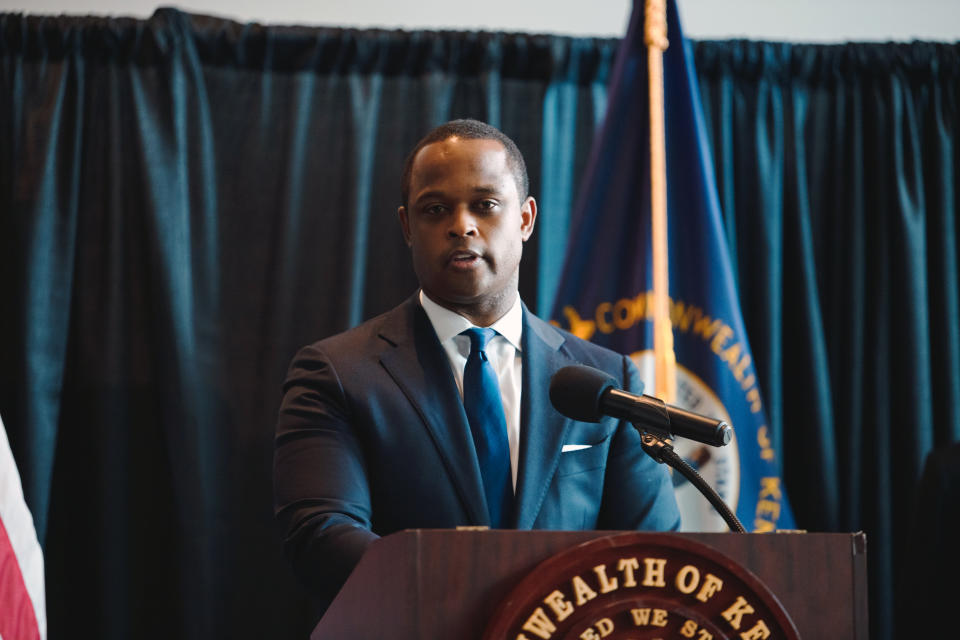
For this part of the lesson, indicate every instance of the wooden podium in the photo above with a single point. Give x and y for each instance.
(426, 584)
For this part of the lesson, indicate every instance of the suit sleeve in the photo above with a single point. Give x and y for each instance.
(321, 493)
(638, 493)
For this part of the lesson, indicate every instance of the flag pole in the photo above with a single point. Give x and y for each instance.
(655, 37)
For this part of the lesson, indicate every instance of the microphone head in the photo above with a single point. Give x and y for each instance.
(575, 391)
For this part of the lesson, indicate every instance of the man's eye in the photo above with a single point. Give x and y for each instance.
(486, 205)
(435, 209)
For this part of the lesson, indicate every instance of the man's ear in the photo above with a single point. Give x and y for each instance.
(528, 217)
(404, 223)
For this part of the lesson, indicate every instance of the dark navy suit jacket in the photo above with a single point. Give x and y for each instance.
(372, 438)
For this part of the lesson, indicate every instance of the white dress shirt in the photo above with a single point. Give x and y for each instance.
(503, 353)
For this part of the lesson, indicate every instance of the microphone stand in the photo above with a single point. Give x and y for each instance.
(660, 450)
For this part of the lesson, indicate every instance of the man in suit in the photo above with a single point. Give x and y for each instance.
(378, 430)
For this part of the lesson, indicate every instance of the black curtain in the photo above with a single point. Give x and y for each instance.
(838, 168)
(184, 201)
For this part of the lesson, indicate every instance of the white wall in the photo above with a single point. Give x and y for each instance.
(797, 20)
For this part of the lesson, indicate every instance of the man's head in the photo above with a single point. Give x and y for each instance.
(465, 218)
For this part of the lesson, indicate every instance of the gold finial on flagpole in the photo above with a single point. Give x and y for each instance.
(655, 37)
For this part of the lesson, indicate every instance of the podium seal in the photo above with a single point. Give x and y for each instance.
(640, 587)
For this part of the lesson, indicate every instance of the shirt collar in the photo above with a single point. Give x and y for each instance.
(448, 324)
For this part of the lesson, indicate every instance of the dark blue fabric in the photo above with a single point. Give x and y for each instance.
(484, 406)
(838, 167)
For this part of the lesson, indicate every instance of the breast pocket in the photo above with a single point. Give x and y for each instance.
(583, 460)
(573, 500)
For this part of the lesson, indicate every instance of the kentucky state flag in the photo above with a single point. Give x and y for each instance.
(605, 293)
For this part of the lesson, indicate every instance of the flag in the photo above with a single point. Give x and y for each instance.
(22, 601)
(605, 292)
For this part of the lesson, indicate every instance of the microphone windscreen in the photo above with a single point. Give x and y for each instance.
(575, 391)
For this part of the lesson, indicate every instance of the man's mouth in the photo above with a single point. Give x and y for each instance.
(463, 258)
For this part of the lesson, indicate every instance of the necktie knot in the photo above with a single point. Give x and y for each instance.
(479, 337)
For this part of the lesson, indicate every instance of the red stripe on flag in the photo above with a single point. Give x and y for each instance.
(18, 620)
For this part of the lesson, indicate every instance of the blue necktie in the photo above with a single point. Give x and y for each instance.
(484, 408)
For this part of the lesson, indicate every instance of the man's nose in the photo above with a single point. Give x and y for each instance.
(462, 223)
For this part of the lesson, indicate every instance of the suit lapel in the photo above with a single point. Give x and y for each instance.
(542, 427)
(419, 366)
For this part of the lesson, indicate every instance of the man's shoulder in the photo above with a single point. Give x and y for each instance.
(576, 348)
(368, 335)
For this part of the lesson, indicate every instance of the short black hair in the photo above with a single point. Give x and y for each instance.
(471, 130)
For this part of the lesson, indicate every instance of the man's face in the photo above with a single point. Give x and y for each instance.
(465, 226)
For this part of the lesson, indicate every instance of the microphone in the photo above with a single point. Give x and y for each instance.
(587, 394)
